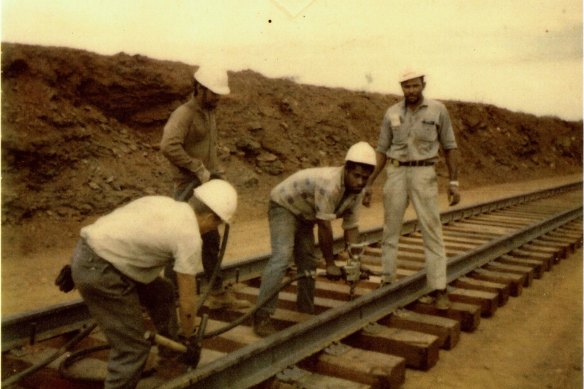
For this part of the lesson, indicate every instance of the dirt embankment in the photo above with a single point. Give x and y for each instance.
(80, 133)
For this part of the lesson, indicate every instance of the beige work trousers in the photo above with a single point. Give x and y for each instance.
(418, 184)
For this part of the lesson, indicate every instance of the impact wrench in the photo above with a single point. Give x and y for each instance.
(352, 271)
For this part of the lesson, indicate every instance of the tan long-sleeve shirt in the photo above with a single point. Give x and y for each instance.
(189, 142)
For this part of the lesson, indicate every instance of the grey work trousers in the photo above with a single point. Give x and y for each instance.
(115, 302)
(418, 184)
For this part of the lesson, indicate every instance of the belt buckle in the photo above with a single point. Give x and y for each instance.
(395, 162)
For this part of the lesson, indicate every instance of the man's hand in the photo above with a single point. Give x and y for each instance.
(204, 175)
(333, 272)
(367, 193)
(216, 176)
(453, 194)
(192, 355)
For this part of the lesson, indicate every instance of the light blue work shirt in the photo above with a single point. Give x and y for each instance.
(407, 135)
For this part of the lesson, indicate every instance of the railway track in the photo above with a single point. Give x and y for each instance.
(363, 335)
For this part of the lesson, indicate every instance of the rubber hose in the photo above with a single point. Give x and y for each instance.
(241, 319)
(19, 376)
(76, 356)
(215, 270)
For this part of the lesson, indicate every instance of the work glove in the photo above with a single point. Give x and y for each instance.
(203, 175)
(65, 280)
(333, 272)
(192, 356)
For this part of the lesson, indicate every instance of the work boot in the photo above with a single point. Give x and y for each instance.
(442, 302)
(263, 325)
(225, 299)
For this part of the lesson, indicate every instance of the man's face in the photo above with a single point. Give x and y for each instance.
(356, 178)
(413, 90)
(209, 222)
(209, 99)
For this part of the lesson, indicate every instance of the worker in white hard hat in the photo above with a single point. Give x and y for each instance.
(411, 135)
(309, 197)
(117, 263)
(189, 142)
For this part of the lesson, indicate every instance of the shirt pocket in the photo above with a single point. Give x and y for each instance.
(399, 134)
(427, 130)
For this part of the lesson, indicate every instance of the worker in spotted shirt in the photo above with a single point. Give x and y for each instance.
(308, 197)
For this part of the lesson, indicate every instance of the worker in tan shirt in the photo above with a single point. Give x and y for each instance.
(189, 142)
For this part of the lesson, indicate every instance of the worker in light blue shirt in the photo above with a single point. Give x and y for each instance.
(411, 135)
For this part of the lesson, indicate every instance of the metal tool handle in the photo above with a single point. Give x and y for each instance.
(202, 327)
(165, 342)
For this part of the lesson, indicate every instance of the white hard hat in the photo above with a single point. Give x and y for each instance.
(220, 196)
(362, 152)
(214, 79)
(410, 74)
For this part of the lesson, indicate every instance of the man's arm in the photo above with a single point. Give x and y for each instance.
(172, 145)
(187, 302)
(325, 240)
(351, 236)
(381, 160)
(452, 157)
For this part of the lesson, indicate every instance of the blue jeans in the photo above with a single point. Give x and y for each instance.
(291, 238)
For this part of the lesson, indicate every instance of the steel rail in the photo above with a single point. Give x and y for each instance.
(251, 267)
(29, 327)
(259, 361)
(37, 325)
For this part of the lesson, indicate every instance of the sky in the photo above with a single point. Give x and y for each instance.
(523, 55)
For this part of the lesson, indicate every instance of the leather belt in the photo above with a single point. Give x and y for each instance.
(397, 163)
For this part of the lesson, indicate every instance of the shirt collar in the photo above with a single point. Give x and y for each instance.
(342, 178)
(196, 106)
(422, 105)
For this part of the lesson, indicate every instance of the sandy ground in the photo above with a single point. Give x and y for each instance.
(535, 341)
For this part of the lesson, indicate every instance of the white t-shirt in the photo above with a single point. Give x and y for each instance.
(141, 237)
